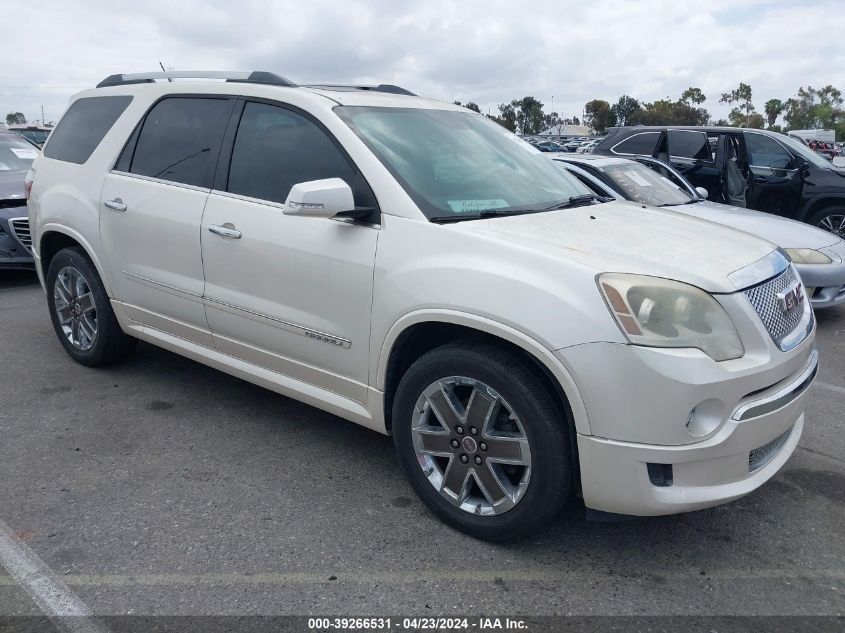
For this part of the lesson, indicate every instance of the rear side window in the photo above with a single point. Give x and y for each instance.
(766, 152)
(180, 140)
(689, 144)
(83, 126)
(640, 143)
(276, 148)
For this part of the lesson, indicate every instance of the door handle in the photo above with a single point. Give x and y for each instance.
(227, 230)
(115, 205)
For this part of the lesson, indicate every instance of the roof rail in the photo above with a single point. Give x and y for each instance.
(389, 88)
(253, 77)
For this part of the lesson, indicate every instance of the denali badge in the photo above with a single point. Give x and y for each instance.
(791, 298)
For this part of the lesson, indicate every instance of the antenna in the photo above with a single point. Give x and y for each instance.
(169, 79)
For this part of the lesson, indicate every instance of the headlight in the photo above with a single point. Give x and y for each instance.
(659, 312)
(807, 256)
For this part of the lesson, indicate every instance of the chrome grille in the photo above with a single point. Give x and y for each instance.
(762, 455)
(778, 323)
(20, 227)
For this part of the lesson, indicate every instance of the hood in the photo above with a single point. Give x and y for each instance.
(628, 237)
(11, 184)
(781, 231)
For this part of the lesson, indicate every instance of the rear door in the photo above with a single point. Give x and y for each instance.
(775, 181)
(151, 210)
(690, 152)
(291, 294)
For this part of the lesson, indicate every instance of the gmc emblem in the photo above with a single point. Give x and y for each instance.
(791, 298)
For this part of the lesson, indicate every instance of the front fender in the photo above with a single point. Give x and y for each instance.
(499, 330)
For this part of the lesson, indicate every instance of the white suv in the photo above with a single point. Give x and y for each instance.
(411, 266)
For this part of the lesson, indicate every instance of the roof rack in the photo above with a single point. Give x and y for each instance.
(389, 88)
(252, 77)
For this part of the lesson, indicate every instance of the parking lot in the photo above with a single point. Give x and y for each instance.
(160, 486)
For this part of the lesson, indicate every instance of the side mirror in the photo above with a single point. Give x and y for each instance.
(320, 199)
(701, 191)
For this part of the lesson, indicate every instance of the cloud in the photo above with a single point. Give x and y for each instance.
(487, 52)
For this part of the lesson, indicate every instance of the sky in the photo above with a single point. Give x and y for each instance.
(562, 52)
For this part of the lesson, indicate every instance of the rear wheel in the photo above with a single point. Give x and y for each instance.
(481, 441)
(81, 312)
(830, 219)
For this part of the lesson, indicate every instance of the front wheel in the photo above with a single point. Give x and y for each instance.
(831, 219)
(482, 442)
(81, 312)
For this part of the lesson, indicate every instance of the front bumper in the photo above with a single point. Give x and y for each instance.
(825, 281)
(751, 446)
(696, 424)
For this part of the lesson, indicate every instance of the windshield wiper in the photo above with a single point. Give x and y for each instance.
(489, 213)
(578, 201)
(680, 204)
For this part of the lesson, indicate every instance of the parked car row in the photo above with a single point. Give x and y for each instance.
(756, 169)
(410, 266)
(578, 144)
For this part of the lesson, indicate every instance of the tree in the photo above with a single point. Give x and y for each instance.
(507, 116)
(756, 121)
(529, 115)
(812, 108)
(741, 96)
(552, 120)
(693, 96)
(469, 105)
(15, 118)
(624, 109)
(597, 115)
(773, 109)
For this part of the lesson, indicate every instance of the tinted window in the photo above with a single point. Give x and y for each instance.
(83, 127)
(766, 152)
(180, 140)
(276, 148)
(15, 153)
(641, 143)
(687, 144)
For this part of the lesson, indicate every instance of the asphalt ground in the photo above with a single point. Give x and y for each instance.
(160, 486)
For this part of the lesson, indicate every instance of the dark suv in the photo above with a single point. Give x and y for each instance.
(743, 167)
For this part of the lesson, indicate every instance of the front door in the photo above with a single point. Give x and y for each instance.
(291, 294)
(775, 181)
(151, 209)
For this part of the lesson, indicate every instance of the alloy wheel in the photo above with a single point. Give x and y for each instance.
(75, 308)
(835, 223)
(471, 445)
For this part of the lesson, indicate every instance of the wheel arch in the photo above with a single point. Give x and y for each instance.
(54, 238)
(418, 332)
(819, 202)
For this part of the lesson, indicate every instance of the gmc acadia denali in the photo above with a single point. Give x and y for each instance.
(411, 266)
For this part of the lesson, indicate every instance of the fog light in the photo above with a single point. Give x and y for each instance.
(705, 418)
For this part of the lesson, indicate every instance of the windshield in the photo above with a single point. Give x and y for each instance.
(640, 184)
(799, 148)
(456, 164)
(16, 155)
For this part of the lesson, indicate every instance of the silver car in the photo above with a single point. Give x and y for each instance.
(818, 255)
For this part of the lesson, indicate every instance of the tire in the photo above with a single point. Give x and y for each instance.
(831, 219)
(524, 426)
(81, 311)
